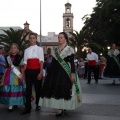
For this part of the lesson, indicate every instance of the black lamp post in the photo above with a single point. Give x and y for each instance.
(40, 26)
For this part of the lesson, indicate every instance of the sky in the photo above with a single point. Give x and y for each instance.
(17, 12)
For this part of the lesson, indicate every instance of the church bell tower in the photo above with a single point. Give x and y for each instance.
(68, 19)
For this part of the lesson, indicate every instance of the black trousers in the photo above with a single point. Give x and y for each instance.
(86, 70)
(31, 79)
(94, 70)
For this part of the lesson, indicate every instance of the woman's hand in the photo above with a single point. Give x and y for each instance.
(40, 75)
(72, 77)
(22, 77)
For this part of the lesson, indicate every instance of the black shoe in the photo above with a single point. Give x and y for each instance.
(38, 108)
(88, 82)
(96, 82)
(113, 83)
(60, 113)
(65, 110)
(15, 106)
(10, 110)
(25, 112)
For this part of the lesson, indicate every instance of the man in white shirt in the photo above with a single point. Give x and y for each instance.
(92, 58)
(33, 60)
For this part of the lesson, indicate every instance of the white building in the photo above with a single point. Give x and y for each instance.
(51, 40)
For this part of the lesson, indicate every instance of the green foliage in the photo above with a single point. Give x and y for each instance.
(103, 25)
(14, 36)
(80, 41)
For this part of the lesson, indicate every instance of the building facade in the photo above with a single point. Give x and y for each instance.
(51, 41)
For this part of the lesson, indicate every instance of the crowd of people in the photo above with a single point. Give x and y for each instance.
(99, 68)
(54, 79)
(82, 66)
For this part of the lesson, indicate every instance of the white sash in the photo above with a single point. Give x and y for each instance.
(14, 69)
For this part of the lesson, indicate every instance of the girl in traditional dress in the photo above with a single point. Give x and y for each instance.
(61, 89)
(102, 66)
(112, 69)
(12, 90)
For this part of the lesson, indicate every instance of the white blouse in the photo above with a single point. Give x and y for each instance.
(92, 56)
(33, 52)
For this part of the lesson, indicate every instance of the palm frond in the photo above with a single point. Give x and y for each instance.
(13, 36)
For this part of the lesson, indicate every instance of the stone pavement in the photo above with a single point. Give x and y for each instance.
(100, 102)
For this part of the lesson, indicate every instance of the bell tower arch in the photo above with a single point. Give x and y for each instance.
(68, 18)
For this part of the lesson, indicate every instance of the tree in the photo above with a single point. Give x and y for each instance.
(14, 36)
(103, 25)
(78, 40)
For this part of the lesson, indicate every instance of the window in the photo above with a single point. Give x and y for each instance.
(68, 10)
(68, 23)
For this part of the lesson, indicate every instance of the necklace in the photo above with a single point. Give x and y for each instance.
(60, 50)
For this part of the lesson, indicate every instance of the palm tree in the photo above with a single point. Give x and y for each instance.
(80, 41)
(14, 36)
(77, 40)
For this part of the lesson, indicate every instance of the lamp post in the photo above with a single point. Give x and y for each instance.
(40, 26)
(108, 47)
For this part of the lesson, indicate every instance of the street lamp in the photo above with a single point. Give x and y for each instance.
(75, 49)
(108, 47)
(40, 26)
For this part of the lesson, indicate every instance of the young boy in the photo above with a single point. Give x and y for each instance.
(33, 60)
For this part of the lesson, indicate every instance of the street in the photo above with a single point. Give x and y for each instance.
(100, 102)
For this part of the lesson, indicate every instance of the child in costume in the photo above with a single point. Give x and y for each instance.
(12, 91)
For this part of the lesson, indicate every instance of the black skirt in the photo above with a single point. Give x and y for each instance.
(57, 83)
(112, 70)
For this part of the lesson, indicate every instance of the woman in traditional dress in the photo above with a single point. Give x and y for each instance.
(61, 89)
(12, 89)
(112, 69)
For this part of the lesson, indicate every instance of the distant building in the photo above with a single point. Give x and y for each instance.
(51, 41)
(26, 29)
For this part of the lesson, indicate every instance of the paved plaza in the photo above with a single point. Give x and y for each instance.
(100, 102)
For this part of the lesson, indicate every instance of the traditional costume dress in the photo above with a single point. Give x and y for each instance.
(92, 66)
(12, 89)
(58, 91)
(101, 69)
(112, 69)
